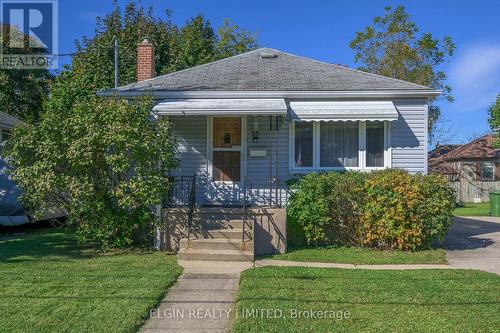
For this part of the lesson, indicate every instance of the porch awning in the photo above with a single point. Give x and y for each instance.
(226, 106)
(343, 111)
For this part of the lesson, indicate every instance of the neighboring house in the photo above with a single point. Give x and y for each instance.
(11, 209)
(249, 123)
(473, 169)
(441, 150)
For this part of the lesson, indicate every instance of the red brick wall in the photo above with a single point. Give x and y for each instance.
(145, 61)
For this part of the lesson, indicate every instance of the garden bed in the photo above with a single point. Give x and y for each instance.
(356, 255)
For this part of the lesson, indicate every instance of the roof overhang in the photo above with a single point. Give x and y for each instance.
(343, 111)
(423, 93)
(221, 106)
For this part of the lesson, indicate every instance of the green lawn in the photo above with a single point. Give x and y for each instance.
(473, 209)
(49, 284)
(354, 255)
(377, 301)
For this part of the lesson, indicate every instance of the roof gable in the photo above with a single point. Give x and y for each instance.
(267, 69)
(478, 149)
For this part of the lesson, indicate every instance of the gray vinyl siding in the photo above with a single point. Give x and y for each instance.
(192, 134)
(409, 136)
(259, 169)
(266, 167)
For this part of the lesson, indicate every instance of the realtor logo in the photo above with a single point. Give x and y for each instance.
(29, 34)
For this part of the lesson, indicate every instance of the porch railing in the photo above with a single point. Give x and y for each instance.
(180, 192)
(183, 194)
(270, 191)
(265, 191)
(192, 206)
(255, 191)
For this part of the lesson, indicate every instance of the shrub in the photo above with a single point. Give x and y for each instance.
(406, 212)
(388, 209)
(103, 161)
(437, 208)
(325, 216)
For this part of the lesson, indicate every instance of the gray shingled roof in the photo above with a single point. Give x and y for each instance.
(8, 121)
(285, 72)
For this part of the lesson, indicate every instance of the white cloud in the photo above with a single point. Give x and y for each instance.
(475, 77)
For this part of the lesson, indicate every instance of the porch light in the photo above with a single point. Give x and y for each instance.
(255, 131)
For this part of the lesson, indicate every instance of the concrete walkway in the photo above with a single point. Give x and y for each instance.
(272, 262)
(201, 300)
(474, 243)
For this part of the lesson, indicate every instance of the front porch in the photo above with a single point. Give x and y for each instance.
(222, 233)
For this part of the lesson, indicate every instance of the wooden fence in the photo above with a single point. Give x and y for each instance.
(470, 190)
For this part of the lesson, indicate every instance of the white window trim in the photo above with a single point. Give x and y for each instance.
(492, 172)
(361, 153)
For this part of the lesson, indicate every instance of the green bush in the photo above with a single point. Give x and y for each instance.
(103, 161)
(388, 209)
(322, 214)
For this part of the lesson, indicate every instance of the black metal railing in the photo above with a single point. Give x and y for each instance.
(262, 191)
(192, 206)
(180, 191)
(265, 191)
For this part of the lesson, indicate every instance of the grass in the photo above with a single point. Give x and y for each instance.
(473, 209)
(377, 301)
(50, 284)
(355, 255)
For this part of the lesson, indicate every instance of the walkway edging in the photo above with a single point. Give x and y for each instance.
(288, 263)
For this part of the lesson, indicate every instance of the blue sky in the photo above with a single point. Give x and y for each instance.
(323, 29)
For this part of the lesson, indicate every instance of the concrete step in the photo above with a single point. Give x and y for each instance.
(218, 216)
(216, 244)
(221, 234)
(220, 210)
(215, 255)
(221, 224)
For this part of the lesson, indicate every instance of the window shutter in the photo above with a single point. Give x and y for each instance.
(497, 171)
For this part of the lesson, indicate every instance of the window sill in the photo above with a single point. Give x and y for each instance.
(309, 170)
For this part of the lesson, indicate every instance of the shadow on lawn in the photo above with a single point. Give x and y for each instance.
(465, 232)
(52, 244)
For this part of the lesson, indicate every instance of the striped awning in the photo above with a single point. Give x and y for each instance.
(343, 111)
(226, 106)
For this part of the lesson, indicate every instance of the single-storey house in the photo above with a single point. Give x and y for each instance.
(249, 123)
(473, 169)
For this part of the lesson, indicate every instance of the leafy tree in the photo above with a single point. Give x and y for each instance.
(22, 91)
(494, 114)
(177, 47)
(103, 161)
(392, 46)
(494, 120)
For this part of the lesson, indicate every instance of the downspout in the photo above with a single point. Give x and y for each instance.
(277, 159)
(270, 160)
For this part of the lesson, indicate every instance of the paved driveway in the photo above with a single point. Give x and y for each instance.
(474, 242)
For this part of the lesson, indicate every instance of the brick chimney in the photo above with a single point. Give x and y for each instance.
(145, 61)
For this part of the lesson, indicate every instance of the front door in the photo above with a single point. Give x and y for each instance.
(226, 147)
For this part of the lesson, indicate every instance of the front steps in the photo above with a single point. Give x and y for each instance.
(216, 235)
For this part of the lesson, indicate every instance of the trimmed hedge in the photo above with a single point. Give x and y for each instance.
(387, 209)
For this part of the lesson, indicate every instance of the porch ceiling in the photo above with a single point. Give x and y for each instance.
(225, 106)
(343, 111)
